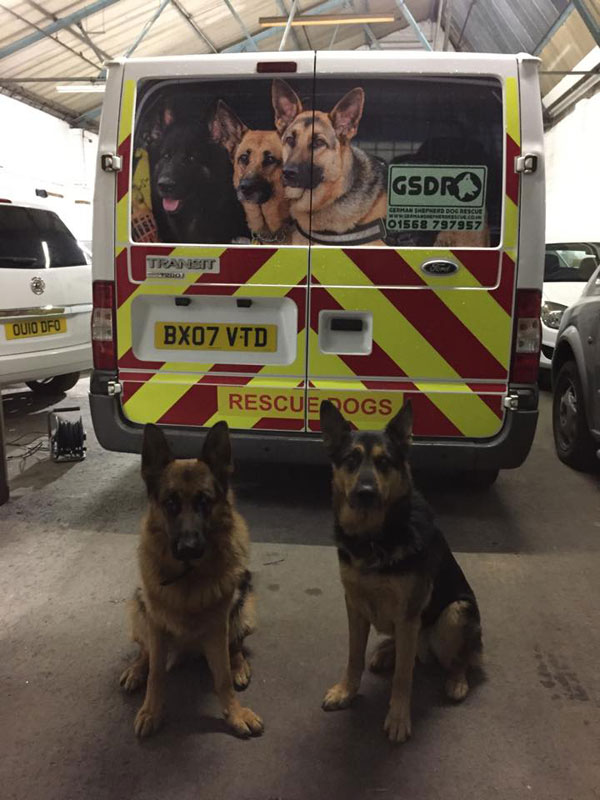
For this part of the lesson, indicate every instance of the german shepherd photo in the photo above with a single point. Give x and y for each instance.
(257, 175)
(196, 595)
(333, 187)
(397, 570)
(192, 190)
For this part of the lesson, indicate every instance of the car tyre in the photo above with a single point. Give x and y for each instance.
(56, 385)
(572, 439)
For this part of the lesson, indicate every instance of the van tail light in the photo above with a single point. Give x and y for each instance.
(527, 337)
(103, 326)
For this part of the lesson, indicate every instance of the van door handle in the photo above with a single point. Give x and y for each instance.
(346, 324)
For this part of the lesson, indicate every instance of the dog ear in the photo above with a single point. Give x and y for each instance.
(286, 104)
(335, 429)
(216, 452)
(346, 115)
(156, 455)
(163, 118)
(226, 128)
(399, 429)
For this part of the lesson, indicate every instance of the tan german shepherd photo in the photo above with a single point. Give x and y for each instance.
(257, 175)
(196, 594)
(398, 573)
(337, 191)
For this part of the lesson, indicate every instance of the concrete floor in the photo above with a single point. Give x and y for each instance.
(530, 546)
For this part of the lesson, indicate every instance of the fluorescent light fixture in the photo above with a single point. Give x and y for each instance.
(77, 88)
(326, 19)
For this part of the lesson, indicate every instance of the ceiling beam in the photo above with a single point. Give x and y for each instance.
(406, 13)
(250, 39)
(143, 33)
(78, 31)
(59, 25)
(178, 6)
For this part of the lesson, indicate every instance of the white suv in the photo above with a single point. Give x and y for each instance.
(45, 300)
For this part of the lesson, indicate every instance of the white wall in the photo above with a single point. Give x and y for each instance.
(573, 175)
(39, 151)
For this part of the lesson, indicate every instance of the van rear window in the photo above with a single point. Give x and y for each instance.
(32, 238)
(394, 161)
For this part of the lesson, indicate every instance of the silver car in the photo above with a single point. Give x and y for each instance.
(576, 381)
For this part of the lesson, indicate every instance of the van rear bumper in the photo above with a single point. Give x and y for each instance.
(506, 450)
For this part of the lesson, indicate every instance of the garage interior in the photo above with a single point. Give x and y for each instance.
(530, 544)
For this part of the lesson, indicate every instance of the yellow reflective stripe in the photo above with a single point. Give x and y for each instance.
(478, 311)
(468, 412)
(511, 95)
(157, 396)
(127, 103)
(511, 225)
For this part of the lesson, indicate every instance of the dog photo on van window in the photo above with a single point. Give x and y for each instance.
(270, 162)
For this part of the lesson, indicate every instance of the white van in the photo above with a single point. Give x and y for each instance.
(272, 230)
(45, 300)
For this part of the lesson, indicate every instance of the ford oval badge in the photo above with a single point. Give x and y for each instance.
(439, 267)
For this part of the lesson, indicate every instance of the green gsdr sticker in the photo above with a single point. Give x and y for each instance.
(430, 197)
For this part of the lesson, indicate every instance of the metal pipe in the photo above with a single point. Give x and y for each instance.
(404, 9)
(283, 9)
(77, 30)
(286, 30)
(59, 25)
(242, 24)
(60, 79)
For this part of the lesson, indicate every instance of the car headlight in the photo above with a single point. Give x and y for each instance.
(552, 313)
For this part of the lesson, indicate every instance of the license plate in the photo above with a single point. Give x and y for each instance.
(41, 326)
(215, 336)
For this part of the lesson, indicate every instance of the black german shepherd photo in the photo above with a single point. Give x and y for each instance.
(192, 186)
(397, 570)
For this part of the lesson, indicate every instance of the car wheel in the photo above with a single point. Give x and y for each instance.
(572, 438)
(480, 479)
(56, 385)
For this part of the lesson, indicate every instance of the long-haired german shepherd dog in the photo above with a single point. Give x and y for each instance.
(196, 594)
(257, 165)
(397, 570)
(348, 185)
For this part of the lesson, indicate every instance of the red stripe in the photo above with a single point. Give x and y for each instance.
(484, 265)
(128, 359)
(195, 407)
(512, 177)
(123, 175)
(504, 293)
(446, 334)
(429, 420)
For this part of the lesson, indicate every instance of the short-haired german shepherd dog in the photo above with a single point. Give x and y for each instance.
(333, 187)
(257, 158)
(196, 594)
(397, 570)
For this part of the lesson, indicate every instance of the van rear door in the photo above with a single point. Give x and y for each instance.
(211, 308)
(425, 314)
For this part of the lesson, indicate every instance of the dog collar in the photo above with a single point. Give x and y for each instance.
(361, 234)
(258, 237)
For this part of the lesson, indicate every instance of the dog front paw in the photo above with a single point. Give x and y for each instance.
(132, 678)
(397, 725)
(146, 723)
(338, 697)
(245, 722)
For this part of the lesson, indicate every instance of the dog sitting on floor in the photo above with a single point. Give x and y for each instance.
(196, 594)
(397, 570)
